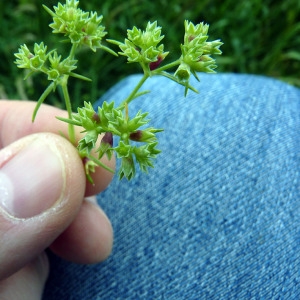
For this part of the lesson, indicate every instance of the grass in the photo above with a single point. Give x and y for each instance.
(260, 37)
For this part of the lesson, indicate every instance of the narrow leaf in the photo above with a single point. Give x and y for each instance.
(42, 99)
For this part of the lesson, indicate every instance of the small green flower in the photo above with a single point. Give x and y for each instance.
(127, 168)
(40, 50)
(196, 51)
(88, 142)
(59, 68)
(183, 72)
(144, 155)
(138, 121)
(67, 18)
(23, 57)
(143, 46)
(106, 113)
(32, 61)
(63, 67)
(93, 32)
(82, 28)
(193, 32)
(123, 150)
(86, 117)
(53, 75)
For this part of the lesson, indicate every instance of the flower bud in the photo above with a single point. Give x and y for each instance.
(146, 135)
(183, 72)
(107, 139)
(106, 145)
(96, 118)
(136, 135)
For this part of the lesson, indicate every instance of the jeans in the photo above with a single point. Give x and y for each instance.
(219, 215)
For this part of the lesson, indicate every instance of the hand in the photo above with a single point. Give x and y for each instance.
(42, 191)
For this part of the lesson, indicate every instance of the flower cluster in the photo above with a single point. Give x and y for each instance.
(49, 63)
(110, 129)
(60, 67)
(143, 46)
(82, 28)
(196, 51)
(33, 61)
(135, 145)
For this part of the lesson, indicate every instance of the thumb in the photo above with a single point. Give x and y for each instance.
(42, 184)
(28, 283)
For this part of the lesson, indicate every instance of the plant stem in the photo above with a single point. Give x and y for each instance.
(99, 163)
(69, 108)
(72, 51)
(135, 90)
(168, 66)
(64, 85)
(146, 76)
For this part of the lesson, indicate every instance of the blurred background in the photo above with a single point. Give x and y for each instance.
(260, 37)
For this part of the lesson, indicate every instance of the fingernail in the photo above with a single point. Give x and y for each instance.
(91, 199)
(31, 181)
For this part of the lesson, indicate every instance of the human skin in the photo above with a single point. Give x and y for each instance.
(71, 225)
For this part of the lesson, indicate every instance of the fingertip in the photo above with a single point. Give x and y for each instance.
(88, 239)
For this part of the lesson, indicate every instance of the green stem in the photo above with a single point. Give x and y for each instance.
(64, 85)
(135, 90)
(99, 163)
(73, 50)
(166, 67)
(146, 76)
(69, 108)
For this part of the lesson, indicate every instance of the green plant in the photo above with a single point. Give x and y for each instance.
(254, 41)
(136, 143)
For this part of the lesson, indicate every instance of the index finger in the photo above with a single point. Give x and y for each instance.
(15, 120)
(15, 123)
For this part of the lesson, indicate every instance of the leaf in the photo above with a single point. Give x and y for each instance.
(48, 90)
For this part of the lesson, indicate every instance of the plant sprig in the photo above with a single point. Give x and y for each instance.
(110, 129)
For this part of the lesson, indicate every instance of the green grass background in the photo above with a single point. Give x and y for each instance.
(260, 37)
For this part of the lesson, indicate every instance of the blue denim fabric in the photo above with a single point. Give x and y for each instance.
(219, 216)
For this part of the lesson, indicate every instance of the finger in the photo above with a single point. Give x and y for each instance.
(88, 239)
(42, 184)
(15, 123)
(15, 120)
(28, 283)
